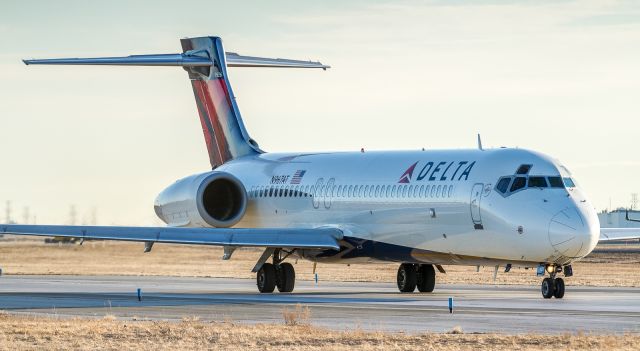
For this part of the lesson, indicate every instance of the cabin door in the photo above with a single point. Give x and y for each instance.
(476, 197)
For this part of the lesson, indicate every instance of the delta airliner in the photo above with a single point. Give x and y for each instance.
(422, 209)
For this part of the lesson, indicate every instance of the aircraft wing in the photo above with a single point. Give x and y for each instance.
(300, 238)
(611, 234)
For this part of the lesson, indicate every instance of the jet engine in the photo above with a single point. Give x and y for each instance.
(212, 199)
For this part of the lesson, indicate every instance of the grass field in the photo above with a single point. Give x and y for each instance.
(32, 256)
(51, 333)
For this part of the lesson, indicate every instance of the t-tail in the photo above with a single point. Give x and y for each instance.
(206, 62)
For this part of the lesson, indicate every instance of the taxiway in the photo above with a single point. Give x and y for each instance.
(372, 306)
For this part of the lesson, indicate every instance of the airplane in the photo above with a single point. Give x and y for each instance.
(422, 209)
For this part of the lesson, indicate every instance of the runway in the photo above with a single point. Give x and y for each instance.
(371, 306)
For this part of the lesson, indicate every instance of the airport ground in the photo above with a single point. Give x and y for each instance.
(27, 332)
(83, 297)
(609, 265)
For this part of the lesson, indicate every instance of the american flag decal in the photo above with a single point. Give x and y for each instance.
(297, 177)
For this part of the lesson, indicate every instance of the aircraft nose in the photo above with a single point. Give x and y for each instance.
(571, 234)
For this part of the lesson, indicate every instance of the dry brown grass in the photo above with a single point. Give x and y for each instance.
(37, 333)
(32, 256)
(298, 316)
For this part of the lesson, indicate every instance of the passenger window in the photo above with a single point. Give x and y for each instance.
(537, 182)
(503, 185)
(438, 190)
(444, 191)
(523, 169)
(366, 190)
(416, 191)
(339, 191)
(555, 182)
(433, 191)
(394, 192)
(404, 191)
(518, 183)
(388, 192)
(421, 190)
(377, 190)
(450, 190)
(568, 182)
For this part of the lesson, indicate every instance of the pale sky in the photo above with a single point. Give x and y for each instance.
(560, 77)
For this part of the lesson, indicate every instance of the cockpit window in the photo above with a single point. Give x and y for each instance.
(555, 182)
(537, 182)
(518, 183)
(521, 180)
(568, 182)
(503, 184)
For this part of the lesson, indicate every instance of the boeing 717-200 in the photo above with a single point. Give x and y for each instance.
(422, 209)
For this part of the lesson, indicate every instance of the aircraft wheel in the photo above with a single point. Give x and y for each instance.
(547, 288)
(407, 277)
(266, 278)
(426, 278)
(558, 292)
(285, 277)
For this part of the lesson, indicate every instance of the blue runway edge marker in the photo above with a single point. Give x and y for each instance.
(139, 294)
(451, 305)
(316, 278)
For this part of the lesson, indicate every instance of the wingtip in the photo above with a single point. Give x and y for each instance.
(26, 62)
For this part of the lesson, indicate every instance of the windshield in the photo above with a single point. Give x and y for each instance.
(510, 184)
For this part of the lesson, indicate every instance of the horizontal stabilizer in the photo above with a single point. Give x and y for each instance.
(319, 238)
(182, 60)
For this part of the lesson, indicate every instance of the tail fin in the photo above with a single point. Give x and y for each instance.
(206, 62)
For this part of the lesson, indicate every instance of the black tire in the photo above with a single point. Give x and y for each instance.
(426, 278)
(407, 277)
(266, 278)
(286, 277)
(547, 288)
(558, 291)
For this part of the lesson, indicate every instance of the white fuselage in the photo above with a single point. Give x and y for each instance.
(440, 206)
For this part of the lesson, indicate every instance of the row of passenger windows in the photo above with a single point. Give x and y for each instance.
(512, 184)
(353, 191)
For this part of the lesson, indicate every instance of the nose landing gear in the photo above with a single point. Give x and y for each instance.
(552, 286)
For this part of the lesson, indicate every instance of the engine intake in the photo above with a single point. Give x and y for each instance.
(223, 200)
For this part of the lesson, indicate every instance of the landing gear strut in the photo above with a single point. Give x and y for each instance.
(410, 276)
(276, 274)
(552, 286)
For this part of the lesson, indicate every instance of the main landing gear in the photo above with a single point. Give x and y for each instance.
(552, 286)
(410, 276)
(278, 274)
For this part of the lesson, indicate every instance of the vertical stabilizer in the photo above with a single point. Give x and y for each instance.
(224, 131)
(206, 62)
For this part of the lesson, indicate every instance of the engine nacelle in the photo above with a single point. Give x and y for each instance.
(212, 199)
